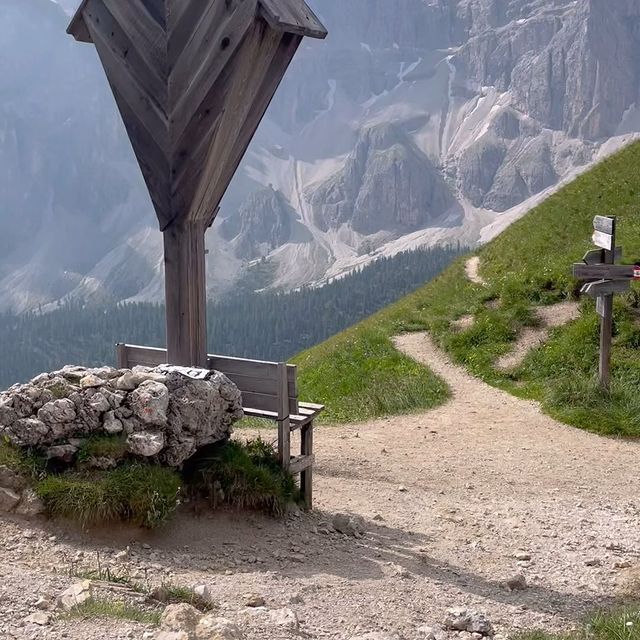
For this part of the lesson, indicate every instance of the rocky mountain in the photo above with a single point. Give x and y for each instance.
(416, 122)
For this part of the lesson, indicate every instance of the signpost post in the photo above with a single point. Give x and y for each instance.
(605, 279)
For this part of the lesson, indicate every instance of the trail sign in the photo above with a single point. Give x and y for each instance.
(604, 224)
(609, 278)
(596, 256)
(606, 287)
(604, 271)
(603, 240)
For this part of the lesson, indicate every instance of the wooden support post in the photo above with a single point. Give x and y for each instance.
(606, 320)
(284, 417)
(306, 478)
(121, 356)
(186, 296)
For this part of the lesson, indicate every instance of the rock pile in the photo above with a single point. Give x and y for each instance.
(162, 414)
(184, 622)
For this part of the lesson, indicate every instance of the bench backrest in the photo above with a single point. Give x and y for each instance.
(265, 386)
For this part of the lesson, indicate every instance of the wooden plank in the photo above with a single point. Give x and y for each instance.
(293, 16)
(300, 463)
(255, 384)
(139, 82)
(246, 367)
(256, 86)
(306, 478)
(603, 272)
(121, 356)
(596, 256)
(604, 224)
(314, 407)
(601, 306)
(605, 287)
(259, 413)
(284, 421)
(147, 36)
(189, 85)
(602, 240)
(77, 27)
(265, 402)
(186, 299)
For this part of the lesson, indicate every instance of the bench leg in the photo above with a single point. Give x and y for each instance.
(284, 442)
(306, 477)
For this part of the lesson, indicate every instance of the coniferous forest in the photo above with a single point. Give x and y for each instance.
(268, 325)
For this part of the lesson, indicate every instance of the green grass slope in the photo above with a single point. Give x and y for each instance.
(359, 374)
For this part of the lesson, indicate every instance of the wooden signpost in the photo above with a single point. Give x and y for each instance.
(605, 279)
(192, 80)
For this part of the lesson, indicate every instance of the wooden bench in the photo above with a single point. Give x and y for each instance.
(269, 391)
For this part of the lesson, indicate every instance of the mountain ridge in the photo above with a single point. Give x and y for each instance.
(493, 104)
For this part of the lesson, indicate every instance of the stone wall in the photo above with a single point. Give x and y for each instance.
(161, 414)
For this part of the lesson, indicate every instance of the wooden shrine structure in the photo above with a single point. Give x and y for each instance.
(192, 80)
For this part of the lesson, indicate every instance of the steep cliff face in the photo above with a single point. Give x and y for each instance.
(417, 121)
(264, 223)
(387, 184)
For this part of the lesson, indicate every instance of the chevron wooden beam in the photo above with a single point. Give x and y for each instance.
(192, 80)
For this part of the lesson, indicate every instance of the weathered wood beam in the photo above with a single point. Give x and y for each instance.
(186, 295)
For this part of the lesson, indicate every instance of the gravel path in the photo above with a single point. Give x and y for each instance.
(455, 501)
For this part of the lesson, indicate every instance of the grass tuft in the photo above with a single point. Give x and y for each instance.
(103, 446)
(174, 594)
(623, 624)
(114, 610)
(145, 495)
(242, 475)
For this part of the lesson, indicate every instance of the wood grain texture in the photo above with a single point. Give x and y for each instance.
(192, 80)
(293, 16)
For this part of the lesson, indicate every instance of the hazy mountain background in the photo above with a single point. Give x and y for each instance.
(416, 122)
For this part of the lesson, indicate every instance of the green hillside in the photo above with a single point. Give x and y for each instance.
(359, 374)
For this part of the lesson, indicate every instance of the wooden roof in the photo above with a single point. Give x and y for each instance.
(192, 80)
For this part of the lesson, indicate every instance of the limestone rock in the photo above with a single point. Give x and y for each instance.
(64, 452)
(62, 410)
(112, 425)
(30, 505)
(180, 617)
(75, 595)
(349, 524)
(516, 583)
(9, 479)
(150, 402)
(145, 443)
(460, 619)
(387, 183)
(202, 591)
(8, 500)
(167, 414)
(212, 627)
(91, 381)
(285, 618)
(253, 600)
(173, 635)
(126, 382)
(40, 618)
(376, 635)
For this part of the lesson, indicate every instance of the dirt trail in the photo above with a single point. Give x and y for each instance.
(472, 270)
(530, 338)
(452, 498)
